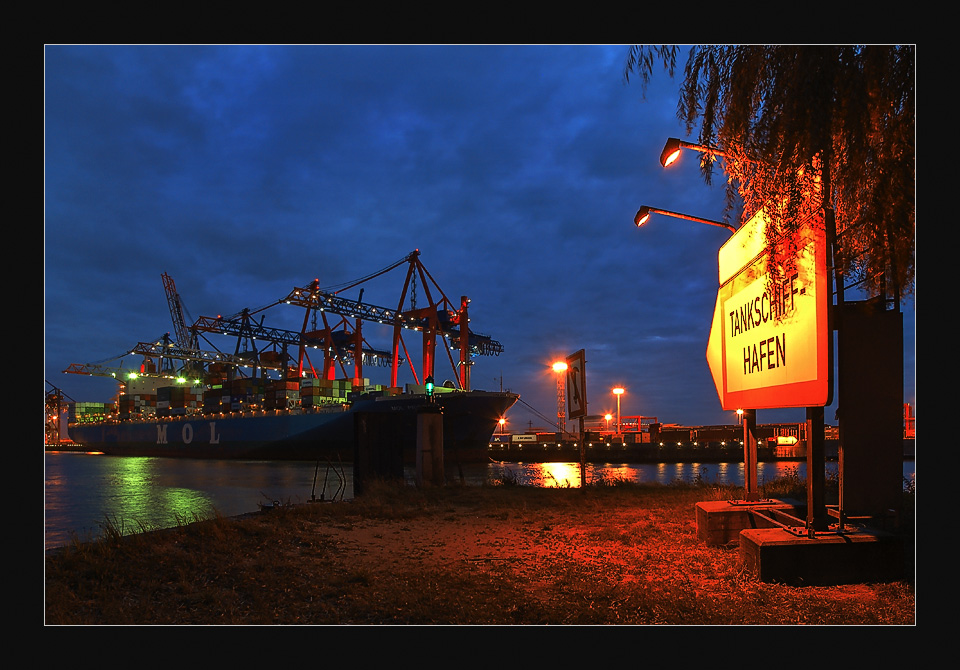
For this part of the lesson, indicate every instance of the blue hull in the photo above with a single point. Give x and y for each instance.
(469, 420)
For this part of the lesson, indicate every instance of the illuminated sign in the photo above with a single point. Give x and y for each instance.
(577, 384)
(770, 343)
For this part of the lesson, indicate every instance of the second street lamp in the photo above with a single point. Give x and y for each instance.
(618, 391)
(643, 215)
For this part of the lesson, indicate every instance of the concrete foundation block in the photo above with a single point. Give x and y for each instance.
(827, 559)
(720, 521)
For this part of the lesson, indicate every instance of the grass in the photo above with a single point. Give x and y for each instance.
(500, 554)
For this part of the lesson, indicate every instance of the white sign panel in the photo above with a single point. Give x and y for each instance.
(770, 341)
(577, 384)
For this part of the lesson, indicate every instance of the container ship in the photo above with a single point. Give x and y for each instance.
(269, 400)
(306, 432)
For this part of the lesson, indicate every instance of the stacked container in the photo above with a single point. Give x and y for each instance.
(178, 400)
(317, 392)
(135, 405)
(245, 393)
(213, 399)
(281, 394)
(89, 412)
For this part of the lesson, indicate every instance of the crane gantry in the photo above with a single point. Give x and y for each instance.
(340, 341)
(439, 318)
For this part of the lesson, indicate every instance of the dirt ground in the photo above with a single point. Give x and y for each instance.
(486, 556)
(627, 544)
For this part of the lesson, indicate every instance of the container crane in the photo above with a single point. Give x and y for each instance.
(437, 318)
(340, 342)
(183, 348)
(160, 349)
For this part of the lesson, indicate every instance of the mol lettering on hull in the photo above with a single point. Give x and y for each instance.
(187, 433)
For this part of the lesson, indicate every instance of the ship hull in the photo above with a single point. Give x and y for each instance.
(469, 419)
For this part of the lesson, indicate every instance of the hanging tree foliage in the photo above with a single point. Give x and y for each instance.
(786, 118)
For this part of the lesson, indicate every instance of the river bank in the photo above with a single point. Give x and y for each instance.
(489, 555)
(83, 490)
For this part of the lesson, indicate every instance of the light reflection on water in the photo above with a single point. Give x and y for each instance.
(83, 491)
(568, 474)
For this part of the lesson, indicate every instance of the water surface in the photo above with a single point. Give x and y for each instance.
(83, 492)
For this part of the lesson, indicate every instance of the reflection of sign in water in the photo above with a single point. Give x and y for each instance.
(576, 385)
(769, 343)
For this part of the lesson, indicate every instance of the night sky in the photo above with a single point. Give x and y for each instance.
(246, 171)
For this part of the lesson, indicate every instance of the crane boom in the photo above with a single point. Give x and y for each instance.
(160, 349)
(244, 328)
(183, 336)
(314, 298)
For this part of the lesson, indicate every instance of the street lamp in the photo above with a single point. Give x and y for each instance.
(643, 215)
(560, 368)
(671, 150)
(815, 465)
(607, 417)
(618, 391)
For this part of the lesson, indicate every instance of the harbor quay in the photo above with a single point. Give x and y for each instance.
(642, 442)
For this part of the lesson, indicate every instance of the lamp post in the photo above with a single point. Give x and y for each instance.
(816, 509)
(748, 419)
(671, 152)
(607, 417)
(643, 215)
(560, 367)
(618, 391)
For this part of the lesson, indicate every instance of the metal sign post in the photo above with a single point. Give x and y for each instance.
(749, 417)
(577, 400)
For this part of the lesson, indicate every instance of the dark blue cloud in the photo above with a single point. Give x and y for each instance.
(515, 170)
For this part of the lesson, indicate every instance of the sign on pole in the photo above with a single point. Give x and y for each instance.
(576, 385)
(770, 344)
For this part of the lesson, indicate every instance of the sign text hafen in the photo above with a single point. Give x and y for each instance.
(754, 315)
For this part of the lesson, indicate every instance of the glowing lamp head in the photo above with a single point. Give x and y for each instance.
(642, 216)
(671, 152)
(671, 158)
(559, 367)
(618, 391)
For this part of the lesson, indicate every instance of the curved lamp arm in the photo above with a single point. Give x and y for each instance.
(643, 215)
